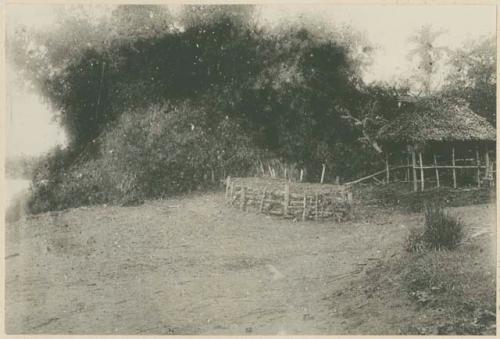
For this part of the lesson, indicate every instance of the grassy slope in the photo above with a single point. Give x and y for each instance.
(192, 266)
(441, 292)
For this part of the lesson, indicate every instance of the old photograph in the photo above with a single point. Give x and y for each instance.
(265, 169)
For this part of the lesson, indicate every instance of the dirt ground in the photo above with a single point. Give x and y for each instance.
(194, 266)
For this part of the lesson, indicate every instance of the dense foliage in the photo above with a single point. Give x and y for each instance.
(152, 102)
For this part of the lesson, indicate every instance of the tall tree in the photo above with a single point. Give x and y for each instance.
(473, 76)
(428, 55)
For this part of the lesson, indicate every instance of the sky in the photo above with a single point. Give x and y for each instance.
(31, 130)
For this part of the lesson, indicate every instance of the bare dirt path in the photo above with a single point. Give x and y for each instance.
(188, 266)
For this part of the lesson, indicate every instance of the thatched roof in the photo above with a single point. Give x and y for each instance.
(437, 121)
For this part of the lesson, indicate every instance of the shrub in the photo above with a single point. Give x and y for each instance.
(442, 231)
(153, 152)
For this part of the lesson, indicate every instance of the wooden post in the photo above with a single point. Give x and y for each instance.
(243, 198)
(285, 173)
(487, 162)
(407, 176)
(316, 208)
(478, 163)
(261, 207)
(231, 189)
(349, 194)
(437, 171)
(228, 182)
(301, 174)
(304, 208)
(422, 184)
(454, 170)
(387, 176)
(323, 173)
(286, 200)
(414, 166)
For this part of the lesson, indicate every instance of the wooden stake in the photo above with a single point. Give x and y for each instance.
(454, 170)
(414, 163)
(387, 176)
(286, 200)
(285, 172)
(316, 208)
(261, 207)
(243, 198)
(422, 184)
(487, 162)
(478, 163)
(231, 189)
(407, 175)
(323, 173)
(437, 171)
(304, 208)
(301, 174)
(228, 182)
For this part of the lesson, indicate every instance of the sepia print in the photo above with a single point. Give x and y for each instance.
(250, 169)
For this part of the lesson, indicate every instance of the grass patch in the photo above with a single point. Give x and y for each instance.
(449, 292)
(441, 231)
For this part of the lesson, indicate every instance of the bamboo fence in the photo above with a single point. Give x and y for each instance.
(294, 200)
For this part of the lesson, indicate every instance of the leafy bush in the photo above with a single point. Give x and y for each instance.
(442, 231)
(150, 153)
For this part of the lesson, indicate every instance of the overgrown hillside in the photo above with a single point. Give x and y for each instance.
(155, 103)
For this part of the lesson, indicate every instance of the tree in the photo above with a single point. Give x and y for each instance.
(288, 89)
(428, 56)
(473, 76)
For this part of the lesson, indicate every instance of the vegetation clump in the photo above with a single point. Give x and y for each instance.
(442, 231)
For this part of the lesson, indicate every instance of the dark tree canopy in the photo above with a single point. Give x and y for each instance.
(212, 90)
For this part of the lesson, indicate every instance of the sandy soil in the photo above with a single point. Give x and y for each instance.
(193, 266)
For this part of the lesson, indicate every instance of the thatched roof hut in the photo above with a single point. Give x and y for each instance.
(439, 135)
(437, 122)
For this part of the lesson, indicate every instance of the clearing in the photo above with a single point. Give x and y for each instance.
(190, 265)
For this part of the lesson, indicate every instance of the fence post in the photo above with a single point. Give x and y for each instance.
(243, 198)
(286, 200)
(422, 184)
(262, 200)
(454, 170)
(437, 170)
(316, 208)
(387, 167)
(231, 193)
(301, 174)
(478, 163)
(228, 182)
(414, 165)
(487, 162)
(323, 173)
(304, 206)
(407, 174)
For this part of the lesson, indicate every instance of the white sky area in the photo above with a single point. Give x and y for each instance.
(30, 129)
